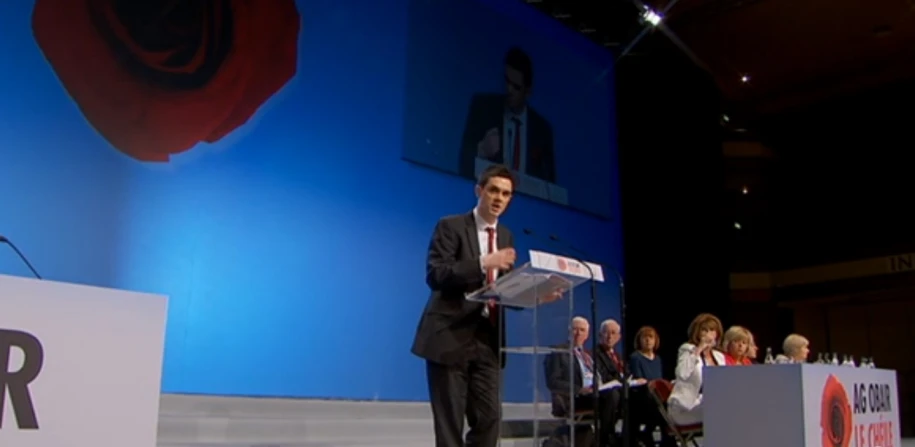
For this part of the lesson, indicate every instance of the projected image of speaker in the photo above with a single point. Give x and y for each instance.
(485, 86)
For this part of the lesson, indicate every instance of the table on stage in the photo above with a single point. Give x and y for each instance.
(800, 405)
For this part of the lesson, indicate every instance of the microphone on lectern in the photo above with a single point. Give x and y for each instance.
(5, 240)
(595, 395)
(553, 239)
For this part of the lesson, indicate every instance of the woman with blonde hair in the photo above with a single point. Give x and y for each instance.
(735, 345)
(795, 349)
(752, 350)
(685, 402)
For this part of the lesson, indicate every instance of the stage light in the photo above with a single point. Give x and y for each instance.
(737, 225)
(745, 190)
(745, 79)
(651, 17)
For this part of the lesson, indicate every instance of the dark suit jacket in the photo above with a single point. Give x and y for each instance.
(487, 111)
(605, 366)
(559, 372)
(449, 322)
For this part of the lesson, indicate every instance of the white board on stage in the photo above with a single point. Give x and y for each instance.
(79, 365)
(800, 405)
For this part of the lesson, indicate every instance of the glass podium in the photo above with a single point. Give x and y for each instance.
(539, 302)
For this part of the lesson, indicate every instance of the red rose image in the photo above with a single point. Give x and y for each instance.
(562, 264)
(156, 77)
(835, 414)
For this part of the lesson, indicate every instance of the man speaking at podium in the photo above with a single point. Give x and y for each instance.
(460, 339)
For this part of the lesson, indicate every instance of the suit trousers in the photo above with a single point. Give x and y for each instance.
(609, 402)
(470, 389)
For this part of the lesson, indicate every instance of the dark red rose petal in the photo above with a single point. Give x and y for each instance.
(148, 116)
(835, 414)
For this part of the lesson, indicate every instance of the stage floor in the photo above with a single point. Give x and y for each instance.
(188, 420)
(198, 421)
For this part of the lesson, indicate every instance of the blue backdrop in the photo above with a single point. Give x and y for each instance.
(293, 248)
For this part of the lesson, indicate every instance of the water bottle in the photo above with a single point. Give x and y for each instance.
(820, 359)
(769, 358)
(835, 359)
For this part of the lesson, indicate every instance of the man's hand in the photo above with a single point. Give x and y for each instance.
(490, 145)
(640, 381)
(553, 296)
(501, 260)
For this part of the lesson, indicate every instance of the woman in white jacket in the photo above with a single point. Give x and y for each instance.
(685, 402)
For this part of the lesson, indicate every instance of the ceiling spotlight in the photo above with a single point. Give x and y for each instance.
(736, 225)
(745, 79)
(745, 190)
(651, 17)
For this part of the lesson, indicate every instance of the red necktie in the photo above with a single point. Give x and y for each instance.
(491, 273)
(516, 151)
(616, 361)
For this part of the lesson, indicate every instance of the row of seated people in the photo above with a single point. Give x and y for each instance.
(606, 365)
(707, 345)
(710, 345)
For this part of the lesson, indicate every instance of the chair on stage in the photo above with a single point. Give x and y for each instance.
(660, 390)
(582, 420)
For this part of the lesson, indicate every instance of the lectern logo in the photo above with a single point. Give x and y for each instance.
(835, 414)
(15, 384)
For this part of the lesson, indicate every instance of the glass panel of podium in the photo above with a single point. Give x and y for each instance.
(538, 302)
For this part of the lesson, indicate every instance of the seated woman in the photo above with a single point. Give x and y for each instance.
(645, 366)
(735, 344)
(752, 350)
(795, 349)
(644, 363)
(685, 402)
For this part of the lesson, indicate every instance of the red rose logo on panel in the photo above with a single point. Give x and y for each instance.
(562, 264)
(835, 414)
(157, 77)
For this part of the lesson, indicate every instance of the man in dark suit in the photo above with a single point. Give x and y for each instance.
(504, 128)
(577, 377)
(460, 339)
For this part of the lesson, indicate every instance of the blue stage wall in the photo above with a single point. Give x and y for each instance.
(293, 246)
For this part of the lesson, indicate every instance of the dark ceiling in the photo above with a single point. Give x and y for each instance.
(826, 79)
(794, 52)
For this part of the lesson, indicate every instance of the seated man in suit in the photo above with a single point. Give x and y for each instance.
(504, 128)
(611, 366)
(563, 375)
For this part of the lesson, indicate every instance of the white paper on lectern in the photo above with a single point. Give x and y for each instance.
(100, 381)
(616, 384)
(526, 289)
(565, 265)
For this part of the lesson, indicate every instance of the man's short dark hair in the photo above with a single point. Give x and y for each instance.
(495, 171)
(519, 60)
